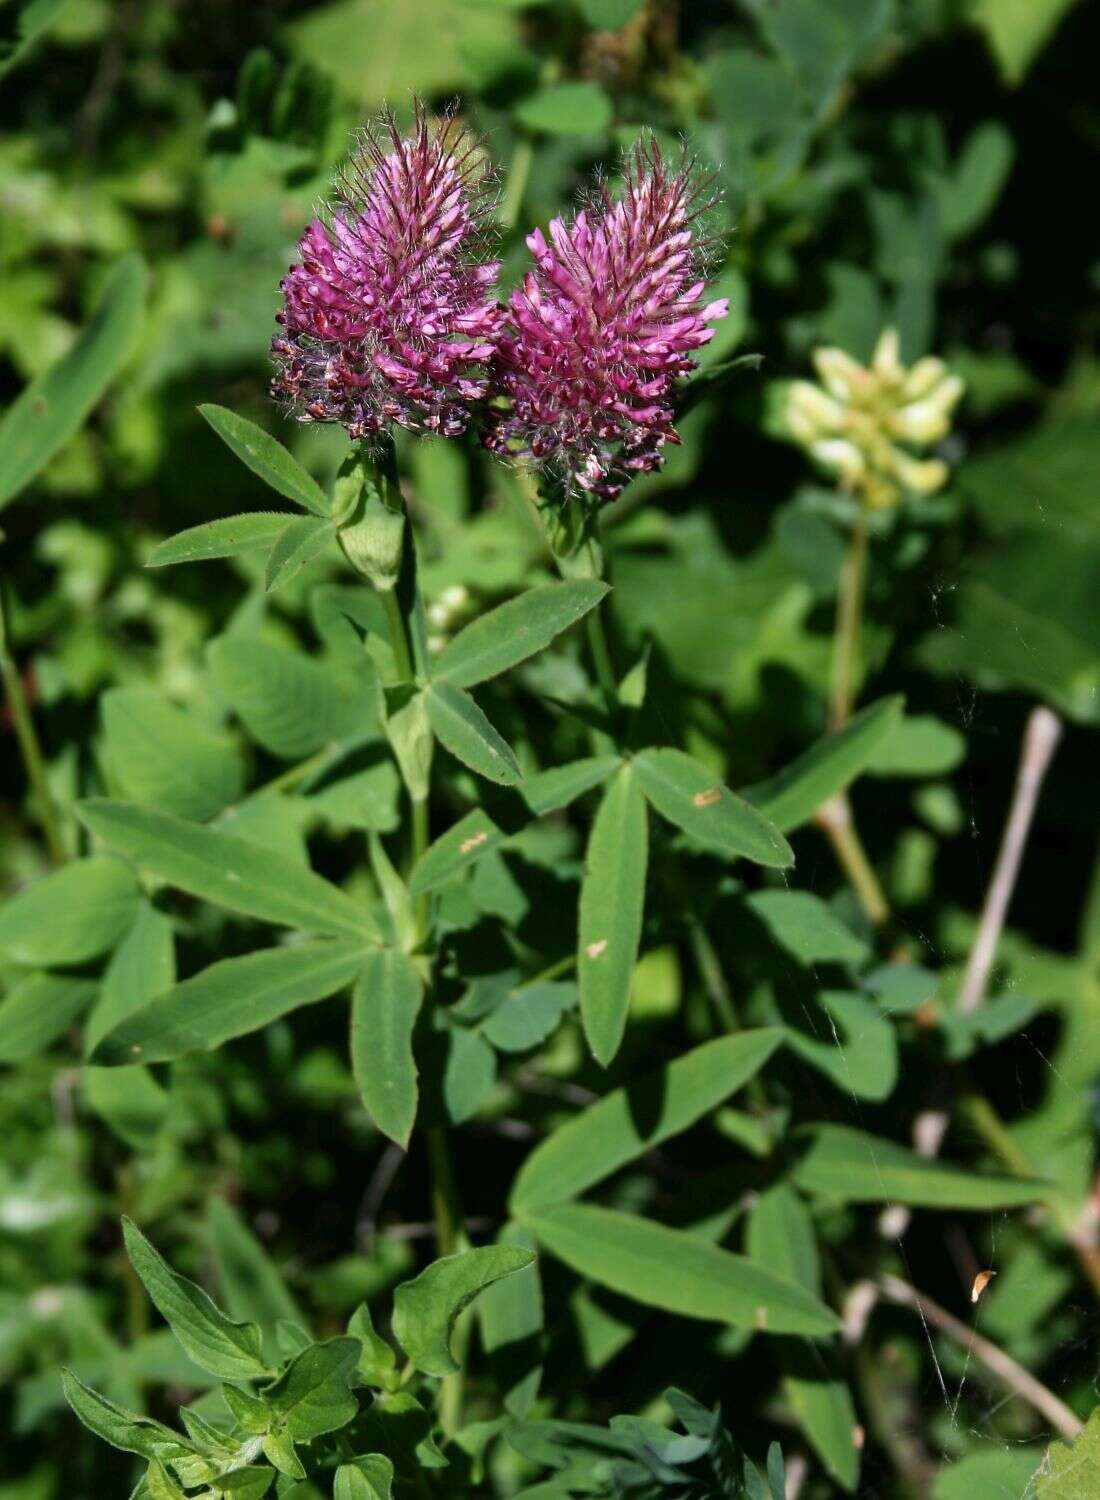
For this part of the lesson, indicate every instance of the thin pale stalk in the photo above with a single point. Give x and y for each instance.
(999, 1364)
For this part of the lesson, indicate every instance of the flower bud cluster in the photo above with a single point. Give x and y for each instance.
(861, 421)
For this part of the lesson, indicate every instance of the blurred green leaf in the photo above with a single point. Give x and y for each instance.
(807, 927)
(71, 916)
(45, 415)
(850, 1166)
(37, 1010)
(793, 795)
(290, 703)
(1017, 30)
(567, 109)
(631, 1121)
(160, 756)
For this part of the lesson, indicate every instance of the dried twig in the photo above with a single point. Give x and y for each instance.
(996, 1361)
(1041, 737)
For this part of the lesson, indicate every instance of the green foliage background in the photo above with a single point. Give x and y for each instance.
(922, 163)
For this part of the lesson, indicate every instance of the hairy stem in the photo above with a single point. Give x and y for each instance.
(27, 738)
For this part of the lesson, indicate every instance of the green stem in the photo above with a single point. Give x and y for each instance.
(399, 635)
(555, 970)
(515, 187)
(849, 619)
(710, 971)
(450, 1239)
(601, 656)
(834, 818)
(27, 737)
(290, 778)
(421, 839)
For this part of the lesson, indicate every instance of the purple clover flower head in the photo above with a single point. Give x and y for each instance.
(601, 330)
(389, 316)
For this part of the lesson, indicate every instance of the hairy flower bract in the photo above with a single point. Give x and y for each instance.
(601, 329)
(388, 317)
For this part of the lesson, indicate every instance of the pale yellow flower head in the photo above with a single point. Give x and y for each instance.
(861, 421)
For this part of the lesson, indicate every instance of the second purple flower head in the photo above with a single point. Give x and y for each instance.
(601, 330)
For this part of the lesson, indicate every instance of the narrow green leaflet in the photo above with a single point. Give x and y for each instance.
(121, 1428)
(230, 999)
(425, 1309)
(690, 797)
(37, 1010)
(631, 1121)
(567, 109)
(73, 915)
(865, 1062)
(822, 1402)
(676, 1271)
(130, 1101)
(465, 731)
(232, 1351)
(792, 797)
(781, 1237)
(227, 537)
(143, 965)
(484, 829)
(52, 409)
(290, 703)
(514, 631)
(850, 1166)
(807, 928)
(611, 906)
(267, 457)
(249, 1283)
(302, 539)
(161, 756)
(228, 871)
(313, 1394)
(385, 1003)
